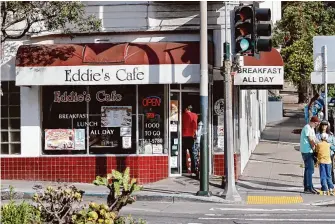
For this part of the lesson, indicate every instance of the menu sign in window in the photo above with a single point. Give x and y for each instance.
(65, 139)
(115, 129)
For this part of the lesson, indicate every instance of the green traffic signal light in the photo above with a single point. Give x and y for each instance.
(244, 44)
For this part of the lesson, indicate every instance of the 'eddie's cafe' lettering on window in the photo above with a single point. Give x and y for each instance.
(90, 75)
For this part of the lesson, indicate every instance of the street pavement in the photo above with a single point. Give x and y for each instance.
(195, 213)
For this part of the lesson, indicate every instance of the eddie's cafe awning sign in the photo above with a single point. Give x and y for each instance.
(267, 71)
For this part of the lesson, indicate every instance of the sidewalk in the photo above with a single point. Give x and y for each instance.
(276, 168)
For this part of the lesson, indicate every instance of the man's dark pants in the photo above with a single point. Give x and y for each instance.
(309, 170)
(188, 144)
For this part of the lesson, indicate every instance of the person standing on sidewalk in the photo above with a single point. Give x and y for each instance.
(316, 107)
(189, 128)
(323, 151)
(307, 146)
(324, 127)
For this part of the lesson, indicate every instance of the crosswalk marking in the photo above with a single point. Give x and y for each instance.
(264, 209)
(269, 220)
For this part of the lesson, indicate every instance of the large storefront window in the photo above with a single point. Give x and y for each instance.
(10, 118)
(100, 119)
(151, 119)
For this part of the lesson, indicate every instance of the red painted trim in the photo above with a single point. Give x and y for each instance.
(272, 58)
(110, 54)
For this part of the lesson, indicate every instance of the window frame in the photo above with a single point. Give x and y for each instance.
(9, 131)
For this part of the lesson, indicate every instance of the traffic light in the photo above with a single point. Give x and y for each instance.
(263, 29)
(244, 29)
(252, 30)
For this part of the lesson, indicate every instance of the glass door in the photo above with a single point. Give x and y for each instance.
(175, 133)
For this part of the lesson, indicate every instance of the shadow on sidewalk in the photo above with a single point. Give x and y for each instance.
(182, 185)
(295, 175)
(284, 130)
(276, 162)
(248, 187)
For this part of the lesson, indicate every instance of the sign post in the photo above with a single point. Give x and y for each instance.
(230, 191)
(324, 59)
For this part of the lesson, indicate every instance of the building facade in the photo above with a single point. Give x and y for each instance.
(73, 109)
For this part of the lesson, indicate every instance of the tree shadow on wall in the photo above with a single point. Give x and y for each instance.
(101, 165)
(44, 55)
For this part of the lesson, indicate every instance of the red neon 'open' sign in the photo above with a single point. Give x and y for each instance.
(151, 101)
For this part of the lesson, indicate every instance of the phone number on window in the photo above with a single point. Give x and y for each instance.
(154, 141)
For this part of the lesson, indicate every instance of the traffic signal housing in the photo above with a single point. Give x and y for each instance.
(263, 30)
(244, 29)
(252, 30)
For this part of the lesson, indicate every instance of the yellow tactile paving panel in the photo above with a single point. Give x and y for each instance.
(273, 200)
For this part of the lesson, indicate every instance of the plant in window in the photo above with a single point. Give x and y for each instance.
(121, 187)
(58, 205)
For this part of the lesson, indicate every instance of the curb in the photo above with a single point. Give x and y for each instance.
(172, 198)
(323, 203)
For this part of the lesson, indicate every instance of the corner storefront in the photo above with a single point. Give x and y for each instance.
(88, 108)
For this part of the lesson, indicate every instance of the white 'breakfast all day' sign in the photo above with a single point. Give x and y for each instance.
(259, 75)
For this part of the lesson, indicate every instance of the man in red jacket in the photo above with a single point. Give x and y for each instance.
(189, 128)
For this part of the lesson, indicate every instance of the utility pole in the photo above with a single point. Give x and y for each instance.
(230, 191)
(204, 157)
(324, 60)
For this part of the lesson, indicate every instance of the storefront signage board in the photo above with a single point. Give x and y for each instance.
(107, 75)
(259, 76)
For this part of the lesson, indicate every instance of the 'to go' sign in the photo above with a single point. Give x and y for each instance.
(151, 101)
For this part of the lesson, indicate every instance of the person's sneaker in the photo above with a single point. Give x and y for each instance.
(324, 192)
(331, 192)
(310, 191)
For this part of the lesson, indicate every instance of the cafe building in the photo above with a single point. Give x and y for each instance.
(73, 109)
